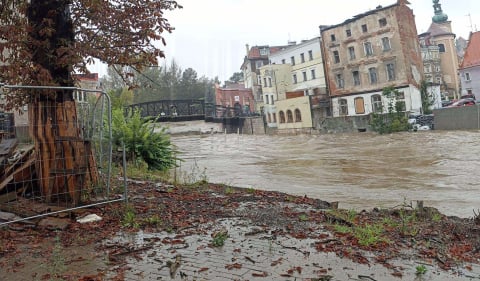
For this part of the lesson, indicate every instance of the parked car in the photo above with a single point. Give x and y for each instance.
(463, 102)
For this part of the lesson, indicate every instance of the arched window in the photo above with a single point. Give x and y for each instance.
(298, 115)
(289, 116)
(343, 106)
(282, 117)
(377, 105)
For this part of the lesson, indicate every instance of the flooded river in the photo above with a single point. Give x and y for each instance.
(360, 170)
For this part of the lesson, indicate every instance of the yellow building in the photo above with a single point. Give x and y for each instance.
(275, 82)
(294, 114)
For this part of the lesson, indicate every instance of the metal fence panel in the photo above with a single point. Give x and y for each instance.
(19, 161)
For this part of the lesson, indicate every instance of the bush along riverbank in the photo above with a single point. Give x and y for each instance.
(208, 231)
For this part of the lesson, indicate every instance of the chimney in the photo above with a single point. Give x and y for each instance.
(292, 43)
(248, 49)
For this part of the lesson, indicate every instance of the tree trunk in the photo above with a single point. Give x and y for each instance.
(65, 162)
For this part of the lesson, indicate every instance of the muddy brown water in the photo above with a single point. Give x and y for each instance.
(359, 170)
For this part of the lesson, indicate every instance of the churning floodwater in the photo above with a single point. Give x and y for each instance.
(359, 170)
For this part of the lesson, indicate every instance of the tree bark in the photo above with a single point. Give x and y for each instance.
(65, 162)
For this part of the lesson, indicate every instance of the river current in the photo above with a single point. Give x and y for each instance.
(359, 170)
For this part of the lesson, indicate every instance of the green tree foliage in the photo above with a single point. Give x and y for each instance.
(394, 120)
(427, 98)
(142, 141)
(165, 83)
(236, 77)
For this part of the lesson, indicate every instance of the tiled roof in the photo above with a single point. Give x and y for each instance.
(472, 53)
(254, 52)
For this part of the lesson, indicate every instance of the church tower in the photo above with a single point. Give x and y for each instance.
(440, 34)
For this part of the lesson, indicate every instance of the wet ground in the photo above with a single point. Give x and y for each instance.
(217, 232)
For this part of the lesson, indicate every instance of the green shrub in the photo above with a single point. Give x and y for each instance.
(142, 143)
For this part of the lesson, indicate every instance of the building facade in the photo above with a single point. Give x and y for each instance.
(237, 97)
(440, 35)
(306, 62)
(470, 67)
(256, 57)
(369, 52)
(275, 80)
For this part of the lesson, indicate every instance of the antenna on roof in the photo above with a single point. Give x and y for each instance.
(470, 19)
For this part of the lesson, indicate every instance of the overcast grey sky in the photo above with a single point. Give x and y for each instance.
(210, 35)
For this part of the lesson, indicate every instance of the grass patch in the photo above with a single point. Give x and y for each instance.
(343, 229)
(369, 235)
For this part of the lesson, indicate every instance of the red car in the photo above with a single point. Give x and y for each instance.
(463, 102)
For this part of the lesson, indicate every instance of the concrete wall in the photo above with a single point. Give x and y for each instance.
(457, 118)
(344, 124)
(253, 126)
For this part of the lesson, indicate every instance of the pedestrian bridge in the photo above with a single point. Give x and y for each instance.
(187, 110)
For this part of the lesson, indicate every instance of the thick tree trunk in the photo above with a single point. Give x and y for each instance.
(65, 163)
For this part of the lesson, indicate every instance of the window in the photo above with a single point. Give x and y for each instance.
(364, 28)
(348, 32)
(368, 48)
(339, 79)
(282, 116)
(312, 73)
(343, 107)
(437, 68)
(390, 71)
(289, 116)
(332, 37)
(310, 55)
(269, 118)
(372, 72)
(356, 78)
(264, 81)
(294, 78)
(467, 76)
(259, 63)
(351, 52)
(298, 115)
(304, 73)
(263, 51)
(292, 60)
(377, 105)
(272, 99)
(266, 99)
(336, 57)
(382, 22)
(274, 118)
(427, 68)
(283, 61)
(359, 105)
(400, 103)
(302, 57)
(259, 80)
(441, 48)
(386, 44)
(269, 81)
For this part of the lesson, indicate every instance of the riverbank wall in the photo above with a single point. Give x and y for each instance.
(457, 118)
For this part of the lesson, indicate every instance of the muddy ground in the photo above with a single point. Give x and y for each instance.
(217, 232)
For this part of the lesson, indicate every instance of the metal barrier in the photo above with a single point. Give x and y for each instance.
(80, 169)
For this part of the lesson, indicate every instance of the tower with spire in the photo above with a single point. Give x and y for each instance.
(440, 35)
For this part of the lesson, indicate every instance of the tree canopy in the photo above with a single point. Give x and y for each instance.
(124, 33)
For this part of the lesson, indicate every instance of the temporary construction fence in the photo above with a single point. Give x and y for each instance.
(64, 161)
